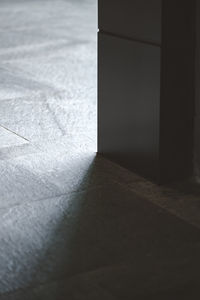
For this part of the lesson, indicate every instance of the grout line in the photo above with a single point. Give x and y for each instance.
(15, 133)
(58, 195)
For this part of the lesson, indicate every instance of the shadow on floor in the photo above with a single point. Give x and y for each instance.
(108, 243)
(111, 243)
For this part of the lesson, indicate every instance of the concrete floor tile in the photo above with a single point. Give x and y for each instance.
(29, 117)
(20, 185)
(8, 153)
(109, 235)
(65, 172)
(42, 174)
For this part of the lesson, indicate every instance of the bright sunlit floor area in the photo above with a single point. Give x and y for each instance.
(72, 224)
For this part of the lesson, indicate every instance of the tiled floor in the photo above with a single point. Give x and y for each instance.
(72, 224)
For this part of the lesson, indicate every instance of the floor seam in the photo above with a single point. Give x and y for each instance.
(87, 189)
(20, 136)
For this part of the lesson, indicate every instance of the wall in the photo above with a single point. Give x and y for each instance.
(197, 97)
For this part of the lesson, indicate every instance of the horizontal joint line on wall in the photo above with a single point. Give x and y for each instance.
(151, 43)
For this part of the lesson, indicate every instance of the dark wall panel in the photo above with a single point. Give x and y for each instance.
(129, 96)
(137, 19)
(177, 89)
(146, 86)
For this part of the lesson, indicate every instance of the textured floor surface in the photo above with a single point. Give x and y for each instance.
(72, 224)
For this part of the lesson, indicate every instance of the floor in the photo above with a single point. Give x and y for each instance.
(74, 225)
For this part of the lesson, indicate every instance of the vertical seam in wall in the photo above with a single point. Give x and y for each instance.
(161, 93)
(196, 92)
